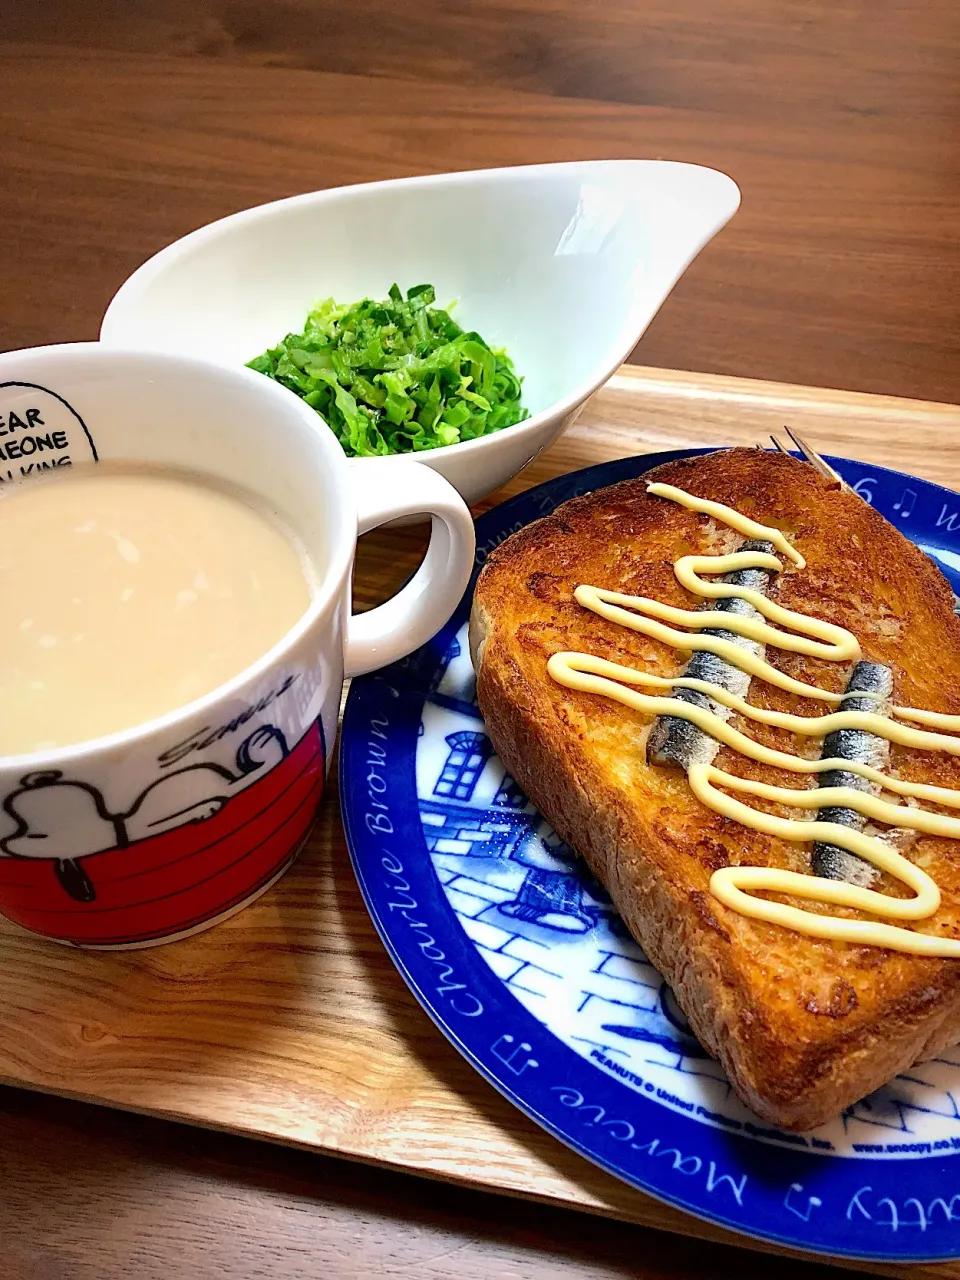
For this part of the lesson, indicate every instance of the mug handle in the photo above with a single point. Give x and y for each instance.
(384, 490)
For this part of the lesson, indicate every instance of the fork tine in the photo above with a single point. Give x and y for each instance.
(811, 455)
(815, 460)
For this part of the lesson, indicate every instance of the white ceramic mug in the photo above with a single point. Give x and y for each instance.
(169, 826)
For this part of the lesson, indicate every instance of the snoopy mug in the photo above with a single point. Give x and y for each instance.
(168, 827)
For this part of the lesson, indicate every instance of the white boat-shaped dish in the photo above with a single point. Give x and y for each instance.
(564, 265)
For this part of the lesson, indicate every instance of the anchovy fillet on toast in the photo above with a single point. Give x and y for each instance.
(866, 748)
(678, 741)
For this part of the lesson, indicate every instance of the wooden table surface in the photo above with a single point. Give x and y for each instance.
(126, 123)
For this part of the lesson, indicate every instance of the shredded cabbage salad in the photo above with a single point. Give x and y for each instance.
(396, 376)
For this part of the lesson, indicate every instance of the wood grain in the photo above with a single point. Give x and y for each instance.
(289, 1022)
(126, 1198)
(127, 123)
(124, 124)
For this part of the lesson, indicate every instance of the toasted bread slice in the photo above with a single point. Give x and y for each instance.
(803, 1027)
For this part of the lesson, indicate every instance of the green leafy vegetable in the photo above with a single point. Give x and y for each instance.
(396, 376)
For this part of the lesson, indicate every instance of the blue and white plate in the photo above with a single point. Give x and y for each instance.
(517, 954)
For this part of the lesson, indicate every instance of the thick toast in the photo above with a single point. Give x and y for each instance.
(803, 1027)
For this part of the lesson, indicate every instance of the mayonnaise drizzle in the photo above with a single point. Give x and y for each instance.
(840, 645)
(561, 665)
(616, 607)
(731, 518)
(816, 638)
(731, 884)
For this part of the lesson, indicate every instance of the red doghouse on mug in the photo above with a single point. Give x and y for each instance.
(196, 844)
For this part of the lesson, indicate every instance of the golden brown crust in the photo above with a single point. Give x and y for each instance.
(803, 1027)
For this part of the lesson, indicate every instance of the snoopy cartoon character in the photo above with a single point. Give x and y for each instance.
(172, 857)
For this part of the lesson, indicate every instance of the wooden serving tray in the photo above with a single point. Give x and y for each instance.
(289, 1022)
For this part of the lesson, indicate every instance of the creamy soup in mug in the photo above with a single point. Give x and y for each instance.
(128, 592)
